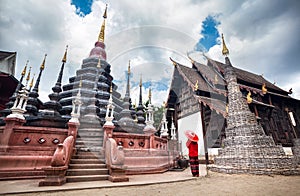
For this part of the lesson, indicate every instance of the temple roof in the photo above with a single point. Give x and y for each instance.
(248, 77)
(214, 104)
(4, 54)
(191, 76)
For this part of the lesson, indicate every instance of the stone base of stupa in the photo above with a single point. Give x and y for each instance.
(249, 150)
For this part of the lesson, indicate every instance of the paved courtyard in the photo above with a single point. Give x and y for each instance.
(169, 183)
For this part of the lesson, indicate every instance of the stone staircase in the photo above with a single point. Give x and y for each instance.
(88, 164)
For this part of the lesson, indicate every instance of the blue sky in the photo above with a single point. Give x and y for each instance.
(261, 36)
(83, 7)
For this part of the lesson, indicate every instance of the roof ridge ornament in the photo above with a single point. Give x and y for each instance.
(264, 88)
(249, 98)
(196, 87)
(102, 30)
(225, 50)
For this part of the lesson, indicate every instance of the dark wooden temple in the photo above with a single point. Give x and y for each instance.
(202, 89)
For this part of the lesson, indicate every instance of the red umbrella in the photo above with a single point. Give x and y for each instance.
(191, 135)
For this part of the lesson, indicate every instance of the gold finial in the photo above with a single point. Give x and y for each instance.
(196, 86)
(28, 75)
(225, 50)
(24, 70)
(129, 67)
(102, 31)
(264, 89)
(31, 83)
(64, 59)
(141, 81)
(43, 63)
(249, 99)
(105, 12)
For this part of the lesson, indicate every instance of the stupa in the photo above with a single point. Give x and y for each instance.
(247, 149)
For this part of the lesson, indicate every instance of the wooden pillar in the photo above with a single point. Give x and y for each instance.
(204, 134)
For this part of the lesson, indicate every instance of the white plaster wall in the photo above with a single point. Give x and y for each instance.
(192, 122)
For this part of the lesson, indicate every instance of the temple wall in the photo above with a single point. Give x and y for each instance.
(146, 153)
(28, 148)
(140, 141)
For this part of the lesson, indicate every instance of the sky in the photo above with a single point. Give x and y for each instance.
(262, 37)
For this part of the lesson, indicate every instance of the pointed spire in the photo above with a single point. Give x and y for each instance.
(24, 70)
(32, 107)
(64, 59)
(31, 83)
(140, 108)
(225, 50)
(37, 83)
(28, 77)
(141, 81)
(149, 95)
(128, 67)
(127, 94)
(140, 97)
(57, 87)
(102, 31)
(43, 63)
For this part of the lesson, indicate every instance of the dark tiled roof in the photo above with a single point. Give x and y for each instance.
(247, 76)
(4, 54)
(191, 76)
(209, 73)
(214, 104)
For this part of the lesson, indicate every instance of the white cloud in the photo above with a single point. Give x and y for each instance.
(262, 37)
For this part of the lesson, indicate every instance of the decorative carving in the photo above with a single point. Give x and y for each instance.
(114, 154)
(26, 140)
(55, 141)
(41, 140)
(62, 153)
(120, 143)
(141, 143)
(131, 143)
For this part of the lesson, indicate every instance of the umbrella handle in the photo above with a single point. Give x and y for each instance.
(188, 143)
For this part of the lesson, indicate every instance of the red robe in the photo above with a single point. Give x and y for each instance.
(193, 148)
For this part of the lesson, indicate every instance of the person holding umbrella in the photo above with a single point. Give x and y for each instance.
(192, 145)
